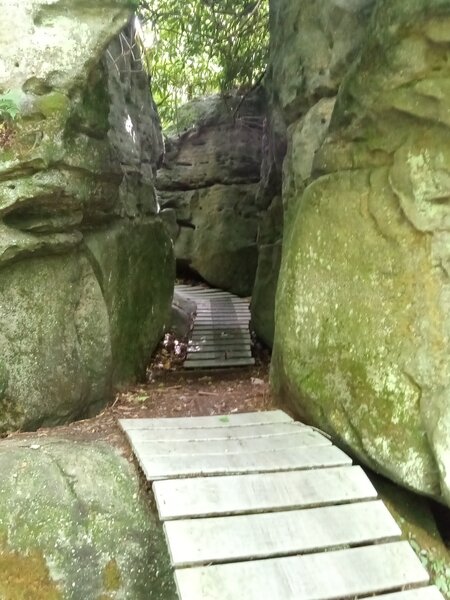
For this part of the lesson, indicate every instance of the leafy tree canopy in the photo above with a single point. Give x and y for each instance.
(199, 47)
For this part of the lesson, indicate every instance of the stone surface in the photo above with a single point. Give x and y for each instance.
(76, 180)
(73, 525)
(419, 527)
(363, 327)
(135, 267)
(182, 316)
(54, 340)
(209, 178)
(312, 45)
(217, 237)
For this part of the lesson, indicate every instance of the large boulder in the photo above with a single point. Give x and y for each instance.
(209, 179)
(362, 344)
(86, 265)
(312, 44)
(74, 525)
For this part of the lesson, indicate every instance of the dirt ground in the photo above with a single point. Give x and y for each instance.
(171, 394)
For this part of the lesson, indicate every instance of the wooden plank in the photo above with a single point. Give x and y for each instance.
(223, 421)
(323, 576)
(222, 315)
(163, 467)
(223, 307)
(302, 438)
(211, 496)
(424, 593)
(239, 351)
(215, 319)
(220, 328)
(240, 335)
(263, 431)
(244, 537)
(214, 363)
(220, 345)
(218, 353)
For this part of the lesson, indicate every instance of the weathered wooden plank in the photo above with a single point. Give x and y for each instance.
(220, 328)
(199, 336)
(214, 363)
(163, 467)
(221, 351)
(222, 315)
(322, 576)
(242, 349)
(424, 593)
(217, 353)
(243, 537)
(265, 430)
(232, 320)
(221, 345)
(223, 421)
(210, 496)
(223, 307)
(302, 438)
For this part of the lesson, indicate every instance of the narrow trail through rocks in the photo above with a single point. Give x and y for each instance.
(170, 394)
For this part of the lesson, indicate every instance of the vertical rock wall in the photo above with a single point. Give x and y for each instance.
(86, 268)
(209, 181)
(362, 343)
(312, 45)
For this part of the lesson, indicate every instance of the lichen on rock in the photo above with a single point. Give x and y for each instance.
(73, 525)
(76, 184)
(362, 328)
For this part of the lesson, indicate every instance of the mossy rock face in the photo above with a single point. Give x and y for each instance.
(74, 525)
(415, 518)
(312, 45)
(79, 163)
(54, 343)
(208, 179)
(217, 235)
(135, 266)
(362, 342)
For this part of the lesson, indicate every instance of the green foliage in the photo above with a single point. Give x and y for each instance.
(199, 47)
(9, 108)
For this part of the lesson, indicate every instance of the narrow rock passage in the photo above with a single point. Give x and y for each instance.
(221, 335)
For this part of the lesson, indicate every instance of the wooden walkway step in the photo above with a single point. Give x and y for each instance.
(258, 507)
(221, 335)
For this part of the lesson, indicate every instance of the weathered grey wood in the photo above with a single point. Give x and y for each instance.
(241, 336)
(243, 537)
(226, 362)
(302, 438)
(424, 593)
(219, 327)
(241, 350)
(226, 307)
(210, 496)
(218, 308)
(206, 345)
(216, 320)
(218, 353)
(323, 576)
(164, 467)
(223, 421)
(222, 315)
(265, 430)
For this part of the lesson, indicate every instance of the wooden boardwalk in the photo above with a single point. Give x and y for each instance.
(221, 335)
(258, 507)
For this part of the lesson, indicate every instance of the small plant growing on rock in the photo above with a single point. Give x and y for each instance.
(9, 110)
